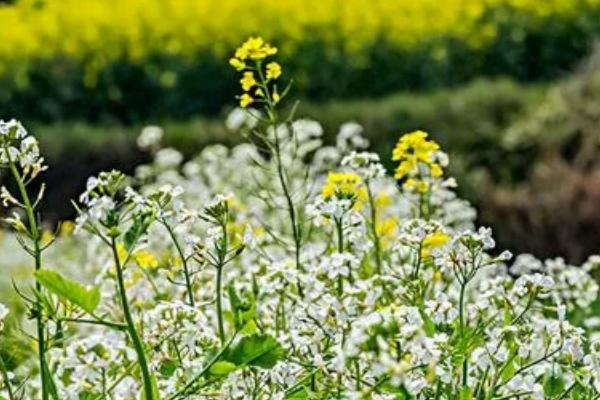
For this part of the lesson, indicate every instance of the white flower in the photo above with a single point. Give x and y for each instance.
(151, 136)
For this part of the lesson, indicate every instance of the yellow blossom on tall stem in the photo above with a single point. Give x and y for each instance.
(343, 185)
(257, 77)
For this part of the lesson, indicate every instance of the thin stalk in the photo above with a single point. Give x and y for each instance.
(376, 238)
(37, 255)
(186, 271)
(280, 173)
(220, 304)
(219, 266)
(340, 236)
(114, 325)
(133, 334)
(465, 365)
(288, 197)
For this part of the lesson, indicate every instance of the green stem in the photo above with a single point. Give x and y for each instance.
(133, 334)
(376, 238)
(280, 173)
(465, 365)
(288, 197)
(340, 236)
(114, 325)
(186, 271)
(35, 238)
(221, 264)
(220, 304)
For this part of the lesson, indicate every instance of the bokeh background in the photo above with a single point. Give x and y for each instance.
(511, 88)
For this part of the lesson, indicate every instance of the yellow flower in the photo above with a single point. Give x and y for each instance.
(436, 170)
(273, 70)
(343, 185)
(415, 144)
(259, 93)
(47, 237)
(276, 98)
(246, 100)
(248, 81)
(145, 259)
(410, 184)
(122, 253)
(417, 157)
(237, 64)
(422, 187)
(407, 166)
(432, 241)
(387, 227)
(383, 200)
(255, 49)
(66, 228)
(436, 239)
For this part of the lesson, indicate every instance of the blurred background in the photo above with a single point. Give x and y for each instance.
(511, 88)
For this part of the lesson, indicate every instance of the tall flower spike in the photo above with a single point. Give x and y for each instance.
(257, 80)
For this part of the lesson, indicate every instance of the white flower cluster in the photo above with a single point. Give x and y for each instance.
(379, 302)
(19, 147)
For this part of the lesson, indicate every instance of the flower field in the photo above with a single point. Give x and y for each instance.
(282, 268)
(88, 60)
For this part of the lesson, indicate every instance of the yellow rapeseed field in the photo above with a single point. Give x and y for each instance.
(97, 32)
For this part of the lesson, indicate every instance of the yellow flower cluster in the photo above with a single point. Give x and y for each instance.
(417, 157)
(101, 31)
(255, 49)
(344, 186)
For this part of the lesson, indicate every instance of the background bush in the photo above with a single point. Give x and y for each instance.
(468, 121)
(140, 59)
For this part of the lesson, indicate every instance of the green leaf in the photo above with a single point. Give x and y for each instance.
(243, 309)
(222, 368)
(258, 350)
(466, 394)
(137, 230)
(300, 393)
(168, 367)
(87, 298)
(554, 385)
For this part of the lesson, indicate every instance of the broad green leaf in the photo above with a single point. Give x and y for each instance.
(87, 298)
(222, 368)
(258, 350)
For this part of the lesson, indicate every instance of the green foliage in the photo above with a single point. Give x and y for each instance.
(258, 350)
(87, 298)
